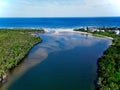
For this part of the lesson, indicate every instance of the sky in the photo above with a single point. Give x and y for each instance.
(59, 8)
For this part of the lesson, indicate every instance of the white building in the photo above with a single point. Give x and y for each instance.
(117, 32)
(102, 30)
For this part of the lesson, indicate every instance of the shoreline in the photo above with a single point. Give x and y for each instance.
(97, 35)
(60, 30)
(5, 76)
(26, 49)
(108, 72)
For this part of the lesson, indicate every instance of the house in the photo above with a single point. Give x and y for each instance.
(98, 30)
(117, 32)
(102, 30)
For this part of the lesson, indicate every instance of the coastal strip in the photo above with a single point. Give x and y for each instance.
(109, 64)
(15, 44)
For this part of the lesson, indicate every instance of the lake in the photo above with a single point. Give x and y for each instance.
(63, 61)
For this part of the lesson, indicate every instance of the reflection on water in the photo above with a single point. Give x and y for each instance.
(55, 42)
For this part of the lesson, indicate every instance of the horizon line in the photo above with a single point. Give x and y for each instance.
(67, 17)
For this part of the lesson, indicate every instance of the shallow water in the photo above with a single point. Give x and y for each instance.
(63, 61)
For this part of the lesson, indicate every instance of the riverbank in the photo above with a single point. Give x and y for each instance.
(94, 34)
(109, 64)
(81, 32)
(14, 46)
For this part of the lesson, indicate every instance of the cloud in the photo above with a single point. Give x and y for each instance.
(59, 8)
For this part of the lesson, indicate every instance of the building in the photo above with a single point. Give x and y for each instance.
(117, 32)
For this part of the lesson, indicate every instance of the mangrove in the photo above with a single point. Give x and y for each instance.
(14, 46)
(109, 64)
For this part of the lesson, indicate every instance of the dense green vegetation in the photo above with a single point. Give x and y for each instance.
(14, 46)
(109, 64)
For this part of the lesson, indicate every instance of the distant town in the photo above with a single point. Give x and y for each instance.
(115, 30)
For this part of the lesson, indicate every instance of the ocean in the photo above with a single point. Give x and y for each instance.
(58, 22)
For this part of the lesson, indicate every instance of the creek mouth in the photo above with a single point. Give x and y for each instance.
(65, 60)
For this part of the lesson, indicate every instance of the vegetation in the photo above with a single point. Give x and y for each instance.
(14, 46)
(109, 64)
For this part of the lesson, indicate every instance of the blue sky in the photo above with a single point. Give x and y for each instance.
(59, 8)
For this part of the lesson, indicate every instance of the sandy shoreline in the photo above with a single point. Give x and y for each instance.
(72, 31)
(94, 35)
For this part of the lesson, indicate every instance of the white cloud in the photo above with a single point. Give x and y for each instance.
(2, 5)
(60, 8)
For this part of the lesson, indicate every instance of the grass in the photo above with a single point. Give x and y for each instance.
(14, 45)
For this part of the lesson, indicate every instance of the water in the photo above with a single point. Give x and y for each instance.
(58, 22)
(63, 61)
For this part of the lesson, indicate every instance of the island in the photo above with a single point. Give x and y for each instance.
(109, 64)
(15, 45)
